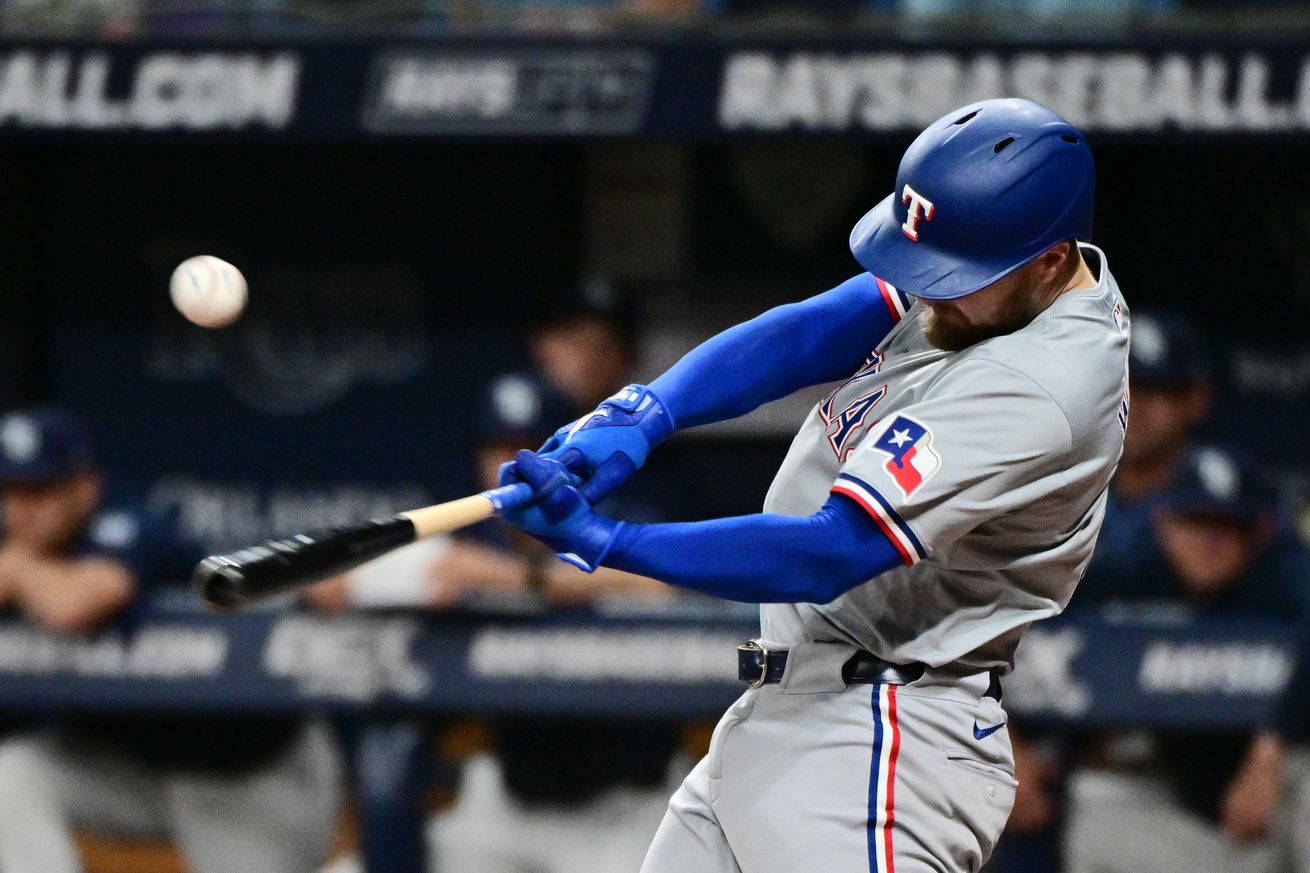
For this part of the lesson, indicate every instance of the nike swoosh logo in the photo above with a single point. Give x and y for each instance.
(984, 733)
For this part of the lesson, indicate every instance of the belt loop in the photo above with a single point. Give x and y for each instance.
(815, 667)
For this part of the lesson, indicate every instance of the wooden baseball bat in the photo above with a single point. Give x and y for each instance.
(229, 581)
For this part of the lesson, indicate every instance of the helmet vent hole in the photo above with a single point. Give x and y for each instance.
(1002, 144)
(1068, 137)
(964, 118)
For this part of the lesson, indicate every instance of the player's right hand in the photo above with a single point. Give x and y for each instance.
(607, 446)
(559, 516)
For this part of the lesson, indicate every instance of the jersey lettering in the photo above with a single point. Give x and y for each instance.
(872, 364)
(848, 423)
(920, 208)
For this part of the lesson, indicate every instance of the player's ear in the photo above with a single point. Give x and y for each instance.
(1059, 261)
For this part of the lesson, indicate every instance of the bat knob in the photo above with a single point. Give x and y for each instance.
(219, 583)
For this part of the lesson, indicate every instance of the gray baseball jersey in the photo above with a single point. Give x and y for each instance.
(986, 468)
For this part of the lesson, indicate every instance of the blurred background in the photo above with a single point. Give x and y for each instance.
(464, 223)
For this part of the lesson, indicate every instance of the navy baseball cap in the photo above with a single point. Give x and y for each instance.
(41, 446)
(1216, 483)
(1166, 352)
(597, 297)
(517, 408)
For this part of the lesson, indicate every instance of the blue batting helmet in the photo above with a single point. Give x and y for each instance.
(982, 191)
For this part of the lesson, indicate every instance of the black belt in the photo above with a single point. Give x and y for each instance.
(760, 666)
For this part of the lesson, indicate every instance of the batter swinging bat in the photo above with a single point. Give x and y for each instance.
(232, 580)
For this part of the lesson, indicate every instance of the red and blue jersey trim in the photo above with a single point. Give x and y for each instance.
(882, 780)
(897, 301)
(897, 530)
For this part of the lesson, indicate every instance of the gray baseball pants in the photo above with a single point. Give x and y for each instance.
(278, 818)
(813, 775)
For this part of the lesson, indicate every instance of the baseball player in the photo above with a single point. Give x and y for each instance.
(944, 497)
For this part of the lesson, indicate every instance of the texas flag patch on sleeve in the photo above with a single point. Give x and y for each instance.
(911, 460)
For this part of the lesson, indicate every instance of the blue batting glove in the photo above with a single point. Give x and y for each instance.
(561, 518)
(606, 447)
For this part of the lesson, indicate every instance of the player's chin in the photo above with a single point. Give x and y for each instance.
(949, 332)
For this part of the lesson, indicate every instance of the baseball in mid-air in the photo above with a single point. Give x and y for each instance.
(208, 291)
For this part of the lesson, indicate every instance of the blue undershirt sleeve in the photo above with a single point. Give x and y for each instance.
(824, 338)
(763, 558)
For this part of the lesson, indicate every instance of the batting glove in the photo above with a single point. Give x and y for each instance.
(606, 447)
(561, 517)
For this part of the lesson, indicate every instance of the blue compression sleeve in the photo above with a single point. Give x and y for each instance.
(764, 558)
(790, 347)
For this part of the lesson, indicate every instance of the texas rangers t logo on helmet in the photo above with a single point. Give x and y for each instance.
(909, 445)
(920, 208)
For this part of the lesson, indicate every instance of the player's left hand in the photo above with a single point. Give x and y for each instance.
(607, 446)
(561, 518)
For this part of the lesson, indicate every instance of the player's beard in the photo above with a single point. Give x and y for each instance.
(949, 330)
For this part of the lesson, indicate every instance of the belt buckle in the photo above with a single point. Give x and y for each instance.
(757, 646)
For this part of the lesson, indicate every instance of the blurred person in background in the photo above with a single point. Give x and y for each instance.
(558, 794)
(581, 349)
(1279, 748)
(1170, 394)
(549, 795)
(584, 345)
(232, 793)
(1215, 800)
